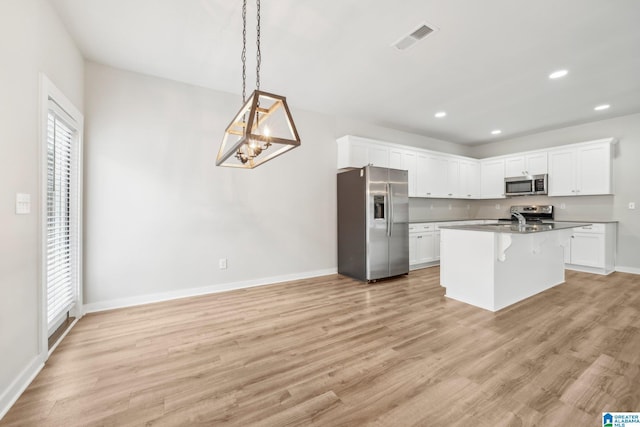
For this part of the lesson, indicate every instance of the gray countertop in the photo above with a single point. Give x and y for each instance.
(427, 221)
(517, 229)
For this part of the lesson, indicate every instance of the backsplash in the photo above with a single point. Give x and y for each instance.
(583, 208)
(435, 209)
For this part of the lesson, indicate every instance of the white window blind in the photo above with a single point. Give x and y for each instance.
(62, 217)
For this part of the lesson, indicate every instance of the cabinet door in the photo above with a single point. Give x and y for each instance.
(425, 247)
(594, 170)
(514, 166)
(587, 249)
(562, 172)
(422, 176)
(492, 179)
(432, 176)
(409, 163)
(469, 179)
(536, 163)
(437, 176)
(378, 156)
(395, 158)
(452, 188)
(413, 249)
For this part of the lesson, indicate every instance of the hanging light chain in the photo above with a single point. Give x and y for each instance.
(244, 51)
(250, 151)
(258, 53)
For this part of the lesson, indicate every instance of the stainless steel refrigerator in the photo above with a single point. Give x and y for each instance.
(373, 223)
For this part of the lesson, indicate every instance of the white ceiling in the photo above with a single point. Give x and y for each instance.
(487, 66)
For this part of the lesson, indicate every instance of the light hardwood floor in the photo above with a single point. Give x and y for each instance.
(334, 352)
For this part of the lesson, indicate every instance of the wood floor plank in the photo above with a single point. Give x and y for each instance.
(331, 351)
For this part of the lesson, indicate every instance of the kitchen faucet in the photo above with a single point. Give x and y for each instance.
(521, 220)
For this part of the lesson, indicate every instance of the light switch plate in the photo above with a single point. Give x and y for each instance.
(632, 205)
(23, 204)
(222, 263)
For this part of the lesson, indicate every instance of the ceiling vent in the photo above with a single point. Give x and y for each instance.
(415, 36)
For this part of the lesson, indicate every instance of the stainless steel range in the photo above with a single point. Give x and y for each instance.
(532, 213)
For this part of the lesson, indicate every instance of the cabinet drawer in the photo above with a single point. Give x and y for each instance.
(593, 228)
(420, 228)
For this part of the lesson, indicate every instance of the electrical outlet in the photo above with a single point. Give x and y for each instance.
(563, 206)
(23, 204)
(497, 206)
(449, 206)
(222, 263)
(632, 205)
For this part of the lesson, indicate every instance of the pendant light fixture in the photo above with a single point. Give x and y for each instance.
(263, 128)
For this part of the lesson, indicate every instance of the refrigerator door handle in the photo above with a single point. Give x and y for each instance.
(390, 216)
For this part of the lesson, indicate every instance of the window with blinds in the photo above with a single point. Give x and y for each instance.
(62, 260)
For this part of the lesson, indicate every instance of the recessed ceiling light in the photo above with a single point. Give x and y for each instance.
(558, 74)
(602, 107)
(496, 132)
(440, 114)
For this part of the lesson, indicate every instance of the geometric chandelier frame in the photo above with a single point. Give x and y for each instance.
(263, 129)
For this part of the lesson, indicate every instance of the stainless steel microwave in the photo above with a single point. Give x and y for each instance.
(525, 185)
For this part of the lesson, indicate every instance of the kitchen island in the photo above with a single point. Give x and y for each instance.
(493, 266)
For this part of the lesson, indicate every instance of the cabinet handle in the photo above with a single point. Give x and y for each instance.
(573, 237)
(428, 194)
(451, 194)
(420, 237)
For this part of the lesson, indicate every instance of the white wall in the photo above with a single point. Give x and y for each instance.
(32, 40)
(159, 214)
(626, 181)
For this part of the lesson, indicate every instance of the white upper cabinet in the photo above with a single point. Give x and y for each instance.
(356, 152)
(526, 164)
(594, 172)
(452, 185)
(574, 170)
(406, 160)
(492, 173)
(432, 173)
(438, 176)
(562, 176)
(469, 182)
(581, 170)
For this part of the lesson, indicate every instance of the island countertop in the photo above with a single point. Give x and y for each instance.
(517, 228)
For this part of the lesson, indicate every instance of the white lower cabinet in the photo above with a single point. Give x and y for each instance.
(421, 248)
(421, 244)
(592, 249)
(424, 242)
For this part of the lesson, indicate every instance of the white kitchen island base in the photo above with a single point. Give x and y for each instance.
(493, 270)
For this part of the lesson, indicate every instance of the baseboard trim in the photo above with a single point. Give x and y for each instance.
(585, 269)
(623, 269)
(191, 292)
(19, 385)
